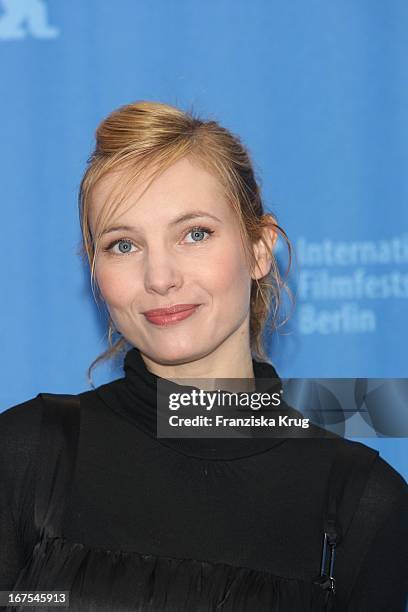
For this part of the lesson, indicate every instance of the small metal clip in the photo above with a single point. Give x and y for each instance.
(329, 544)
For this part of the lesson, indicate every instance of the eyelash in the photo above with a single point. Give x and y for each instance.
(189, 231)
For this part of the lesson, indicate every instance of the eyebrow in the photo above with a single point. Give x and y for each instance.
(197, 214)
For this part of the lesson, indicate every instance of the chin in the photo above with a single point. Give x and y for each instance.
(173, 355)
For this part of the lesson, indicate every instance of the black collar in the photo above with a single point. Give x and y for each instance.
(135, 398)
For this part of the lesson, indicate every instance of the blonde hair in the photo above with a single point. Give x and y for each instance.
(148, 137)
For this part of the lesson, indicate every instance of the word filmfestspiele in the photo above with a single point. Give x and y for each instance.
(207, 399)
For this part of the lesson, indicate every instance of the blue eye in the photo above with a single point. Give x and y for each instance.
(127, 244)
(121, 242)
(197, 232)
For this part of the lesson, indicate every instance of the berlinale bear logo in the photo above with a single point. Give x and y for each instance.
(19, 18)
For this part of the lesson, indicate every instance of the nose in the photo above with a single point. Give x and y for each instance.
(162, 272)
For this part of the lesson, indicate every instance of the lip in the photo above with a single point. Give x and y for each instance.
(171, 310)
(167, 316)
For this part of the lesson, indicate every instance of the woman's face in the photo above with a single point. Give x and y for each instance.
(162, 260)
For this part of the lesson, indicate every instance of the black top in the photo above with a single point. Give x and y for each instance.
(93, 502)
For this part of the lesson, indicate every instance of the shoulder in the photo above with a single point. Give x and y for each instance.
(24, 410)
(22, 433)
(20, 425)
(386, 490)
(383, 482)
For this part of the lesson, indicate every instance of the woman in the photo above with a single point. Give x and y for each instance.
(95, 503)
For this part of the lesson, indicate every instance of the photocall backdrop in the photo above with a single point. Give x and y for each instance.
(318, 92)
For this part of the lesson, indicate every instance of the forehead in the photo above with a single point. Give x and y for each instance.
(185, 184)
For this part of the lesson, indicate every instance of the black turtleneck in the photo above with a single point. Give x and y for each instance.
(244, 502)
(135, 398)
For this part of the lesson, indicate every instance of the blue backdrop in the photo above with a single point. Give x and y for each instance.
(317, 90)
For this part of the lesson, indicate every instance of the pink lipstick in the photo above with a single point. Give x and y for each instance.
(174, 314)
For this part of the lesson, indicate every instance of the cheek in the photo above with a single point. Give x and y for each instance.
(114, 284)
(228, 272)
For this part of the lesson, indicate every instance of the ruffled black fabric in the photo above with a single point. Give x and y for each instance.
(114, 580)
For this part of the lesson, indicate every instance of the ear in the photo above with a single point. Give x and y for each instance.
(263, 260)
